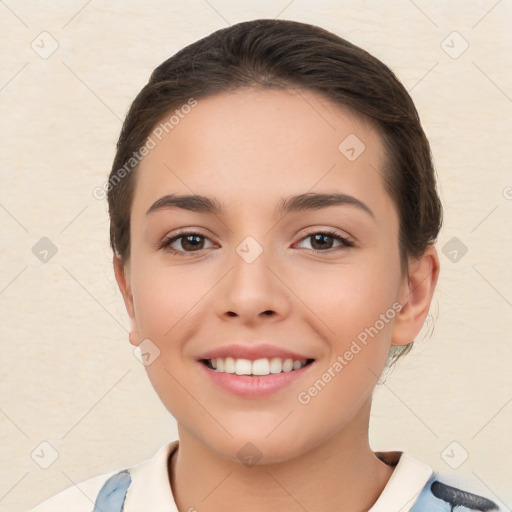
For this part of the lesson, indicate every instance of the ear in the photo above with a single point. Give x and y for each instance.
(122, 273)
(415, 296)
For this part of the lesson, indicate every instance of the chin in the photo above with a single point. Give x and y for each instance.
(252, 448)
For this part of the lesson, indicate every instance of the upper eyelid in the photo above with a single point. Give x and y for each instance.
(313, 231)
(183, 234)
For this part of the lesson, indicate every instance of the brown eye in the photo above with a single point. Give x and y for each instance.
(323, 241)
(182, 243)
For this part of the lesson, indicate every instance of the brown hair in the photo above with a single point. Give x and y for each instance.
(283, 54)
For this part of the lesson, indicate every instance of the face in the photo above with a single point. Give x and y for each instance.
(266, 277)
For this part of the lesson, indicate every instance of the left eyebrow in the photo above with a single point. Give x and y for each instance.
(315, 201)
(301, 202)
(195, 203)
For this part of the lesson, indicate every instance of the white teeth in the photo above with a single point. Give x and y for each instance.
(288, 365)
(276, 365)
(243, 367)
(229, 365)
(262, 366)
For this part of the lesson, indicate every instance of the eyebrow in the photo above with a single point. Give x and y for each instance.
(301, 202)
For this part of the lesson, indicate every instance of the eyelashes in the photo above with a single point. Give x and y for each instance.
(191, 238)
(345, 242)
(166, 244)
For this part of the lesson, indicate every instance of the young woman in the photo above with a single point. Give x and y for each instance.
(273, 215)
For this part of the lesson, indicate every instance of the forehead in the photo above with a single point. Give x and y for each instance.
(256, 146)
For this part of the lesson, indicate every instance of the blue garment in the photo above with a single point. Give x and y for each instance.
(113, 493)
(439, 497)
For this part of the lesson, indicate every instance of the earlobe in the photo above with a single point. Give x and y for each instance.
(416, 297)
(134, 337)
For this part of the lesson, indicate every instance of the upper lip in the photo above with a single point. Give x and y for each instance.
(253, 352)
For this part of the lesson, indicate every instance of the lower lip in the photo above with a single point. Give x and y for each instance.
(249, 386)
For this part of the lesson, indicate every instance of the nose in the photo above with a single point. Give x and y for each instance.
(253, 291)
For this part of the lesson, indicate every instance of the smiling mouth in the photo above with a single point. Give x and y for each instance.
(258, 367)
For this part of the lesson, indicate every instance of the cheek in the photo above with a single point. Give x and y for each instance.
(352, 298)
(359, 307)
(167, 303)
(164, 297)
(357, 312)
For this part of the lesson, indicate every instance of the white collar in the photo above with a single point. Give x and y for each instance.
(150, 480)
(406, 483)
(150, 488)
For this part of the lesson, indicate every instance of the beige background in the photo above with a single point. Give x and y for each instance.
(68, 374)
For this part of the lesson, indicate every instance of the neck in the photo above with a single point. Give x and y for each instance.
(342, 471)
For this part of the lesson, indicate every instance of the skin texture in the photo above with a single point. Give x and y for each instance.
(249, 149)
